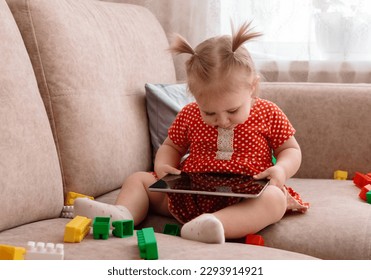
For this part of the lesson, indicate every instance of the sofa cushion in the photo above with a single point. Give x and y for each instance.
(331, 123)
(92, 60)
(30, 180)
(164, 101)
(337, 226)
(169, 247)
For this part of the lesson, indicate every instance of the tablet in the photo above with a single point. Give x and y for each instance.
(220, 184)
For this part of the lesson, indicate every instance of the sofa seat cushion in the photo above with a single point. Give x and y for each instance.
(169, 247)
(337, 225)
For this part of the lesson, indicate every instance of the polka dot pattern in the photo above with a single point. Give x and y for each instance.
(266, 128)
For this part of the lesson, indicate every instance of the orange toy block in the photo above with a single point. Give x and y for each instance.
(254, 239)
(364, 191)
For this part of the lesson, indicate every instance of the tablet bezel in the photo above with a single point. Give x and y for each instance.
(165, 185)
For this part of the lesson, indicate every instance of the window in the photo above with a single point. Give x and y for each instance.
(338, 30)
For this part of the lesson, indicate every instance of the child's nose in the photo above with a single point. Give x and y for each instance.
(223, 122)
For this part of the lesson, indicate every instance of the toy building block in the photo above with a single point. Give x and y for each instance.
(101, 227)
(67, 212)
(42, 251)
(77, 229)
(364, 191)
(71, 196)
(8, 252)
(147, 244)
(340, 175)
(172, 229)
(368, 197)
(361, 180)
(123, 228)
(254, 239)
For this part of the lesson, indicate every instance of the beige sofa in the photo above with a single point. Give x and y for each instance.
(73, 118)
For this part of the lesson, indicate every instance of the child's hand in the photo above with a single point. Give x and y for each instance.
(165, 169)
(275, 174)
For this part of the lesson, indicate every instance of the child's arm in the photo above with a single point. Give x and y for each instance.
(168, 158)
(288, 157)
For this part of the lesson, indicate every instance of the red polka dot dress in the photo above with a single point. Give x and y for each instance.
(246, 149)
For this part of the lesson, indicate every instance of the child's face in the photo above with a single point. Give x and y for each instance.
(228, 109)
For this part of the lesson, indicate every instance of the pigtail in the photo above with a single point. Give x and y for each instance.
(198, 65)
(243, 34)
(180, 45)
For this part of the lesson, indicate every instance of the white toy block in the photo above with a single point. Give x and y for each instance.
(42, 251)
(67, 212)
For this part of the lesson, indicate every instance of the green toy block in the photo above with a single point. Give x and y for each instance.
(368, 197)
(274, 160)
(123, 228)
(147, 244)
(101, 226)
(172, 229)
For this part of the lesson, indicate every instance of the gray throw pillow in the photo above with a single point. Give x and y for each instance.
(164, 101)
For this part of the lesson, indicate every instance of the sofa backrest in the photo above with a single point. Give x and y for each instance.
(30, 180)
(92, 60)
(332, 123)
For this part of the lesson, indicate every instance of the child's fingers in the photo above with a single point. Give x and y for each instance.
(172, 170)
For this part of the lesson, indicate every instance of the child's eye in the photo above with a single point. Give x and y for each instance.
(209, 114)
(232, 111)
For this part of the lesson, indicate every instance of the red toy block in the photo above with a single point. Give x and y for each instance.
(361, 180)
(254, 239)
(364, 191)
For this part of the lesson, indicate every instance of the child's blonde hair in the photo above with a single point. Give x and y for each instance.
(214, 59)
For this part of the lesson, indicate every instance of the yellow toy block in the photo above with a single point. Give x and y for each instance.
(71, 196)
(77, 229)
(340, 175)
(11, 253)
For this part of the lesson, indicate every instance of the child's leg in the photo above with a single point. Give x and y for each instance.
(252, 215)
(136, 197)
(132, 202)
(238, 220)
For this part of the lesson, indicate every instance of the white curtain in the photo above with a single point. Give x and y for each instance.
(307, 40)
(306, 29)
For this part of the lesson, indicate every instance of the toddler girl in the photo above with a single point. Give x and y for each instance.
(227, 129)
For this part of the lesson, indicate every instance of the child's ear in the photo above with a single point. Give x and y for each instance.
(255, 82)
(255, 86)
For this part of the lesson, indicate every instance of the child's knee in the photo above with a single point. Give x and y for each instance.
(276, 202)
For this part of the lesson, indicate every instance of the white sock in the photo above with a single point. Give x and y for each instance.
(91, 208)
(205, 228)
